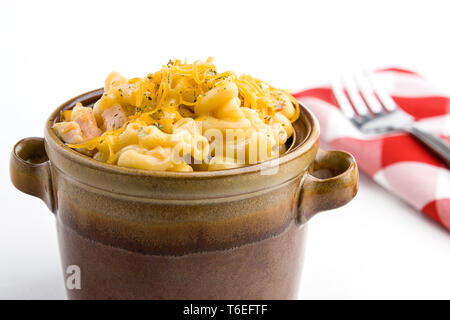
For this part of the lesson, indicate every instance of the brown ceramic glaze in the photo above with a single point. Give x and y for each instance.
(230, 234)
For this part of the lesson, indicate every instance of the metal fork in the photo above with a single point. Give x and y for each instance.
(379, 115)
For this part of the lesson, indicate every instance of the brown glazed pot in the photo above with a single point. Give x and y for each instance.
(230, 234)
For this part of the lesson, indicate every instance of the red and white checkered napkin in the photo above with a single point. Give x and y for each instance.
(397, 161)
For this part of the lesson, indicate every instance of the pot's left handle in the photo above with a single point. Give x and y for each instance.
(331, 182)
(29, 169)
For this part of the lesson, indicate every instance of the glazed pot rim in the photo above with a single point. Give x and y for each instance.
(292, 153)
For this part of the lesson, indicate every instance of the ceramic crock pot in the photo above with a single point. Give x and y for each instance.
(229, 234)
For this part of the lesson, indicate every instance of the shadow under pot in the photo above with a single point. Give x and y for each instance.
(230, 234)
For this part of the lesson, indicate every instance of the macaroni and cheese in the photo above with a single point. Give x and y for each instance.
(184, 117)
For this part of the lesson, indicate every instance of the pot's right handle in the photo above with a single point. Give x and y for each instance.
(331, 182)
(29, 170)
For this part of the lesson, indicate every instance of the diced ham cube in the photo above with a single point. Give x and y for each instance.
(114, 117)
(69, 132)
(84, 116)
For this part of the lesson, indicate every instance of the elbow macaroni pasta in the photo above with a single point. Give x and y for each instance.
(184, 117)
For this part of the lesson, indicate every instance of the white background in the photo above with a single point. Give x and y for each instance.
(376, 247)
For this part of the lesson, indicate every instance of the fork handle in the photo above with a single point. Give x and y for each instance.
(440, 147)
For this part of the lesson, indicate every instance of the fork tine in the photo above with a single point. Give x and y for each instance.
(384, 97)
(341, 98)
(355, 97)
(368, 93)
